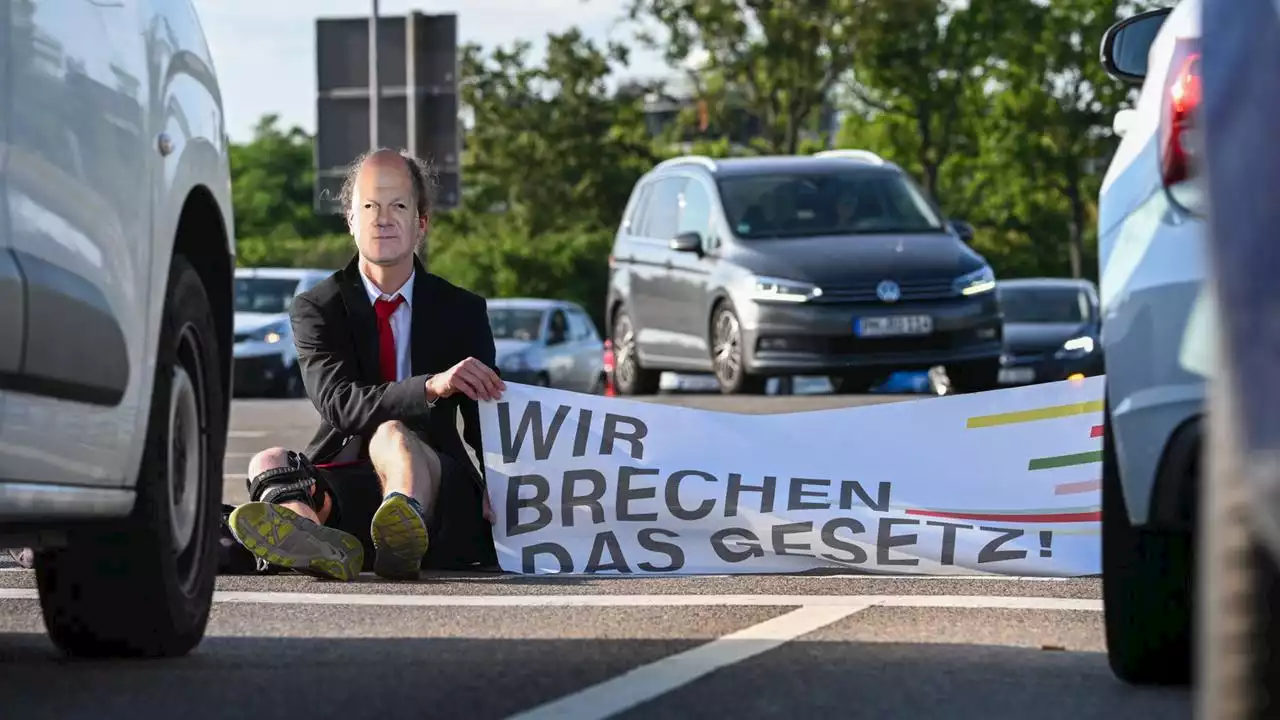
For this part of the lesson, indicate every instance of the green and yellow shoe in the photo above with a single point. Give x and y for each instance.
(284, 538)
(400, 536)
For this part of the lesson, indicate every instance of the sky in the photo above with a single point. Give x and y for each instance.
(264, 50)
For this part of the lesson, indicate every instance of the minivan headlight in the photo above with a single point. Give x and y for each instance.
(979, 281)
(781, 290)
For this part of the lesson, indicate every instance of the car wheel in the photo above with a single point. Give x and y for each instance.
(1239, 664)
(1147, 581)
(727, 357)
(629, 378)
(144, 586)
(974, 377)
(291, 385)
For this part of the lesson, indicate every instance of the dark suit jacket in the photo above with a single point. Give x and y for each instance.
(336, 333)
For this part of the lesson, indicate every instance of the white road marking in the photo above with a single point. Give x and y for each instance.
(840, 601)
(644, 683)
(247, 433)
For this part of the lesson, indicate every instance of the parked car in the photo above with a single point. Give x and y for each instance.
(1151, 249)
(1052, 330)
(835, 264)
(266, 361)
(116, 256)
(550, 343)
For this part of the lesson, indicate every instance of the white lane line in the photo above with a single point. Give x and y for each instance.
(247, 433)
(844, 601)
(658, 678)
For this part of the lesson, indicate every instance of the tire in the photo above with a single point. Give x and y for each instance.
(629, 377)
(131, 589)
(1147, 581)
(291, 384)
(727, 356)
(1239, 660)
(974, 377)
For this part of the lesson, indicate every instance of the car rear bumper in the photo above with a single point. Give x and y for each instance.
(821, 338)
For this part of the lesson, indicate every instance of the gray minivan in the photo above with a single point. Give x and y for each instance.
(835, 264)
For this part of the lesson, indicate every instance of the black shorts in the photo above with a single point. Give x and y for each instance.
(460, 537)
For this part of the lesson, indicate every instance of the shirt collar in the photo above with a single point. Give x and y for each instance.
(405, 290)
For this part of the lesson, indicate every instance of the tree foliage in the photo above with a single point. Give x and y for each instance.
(998, 108)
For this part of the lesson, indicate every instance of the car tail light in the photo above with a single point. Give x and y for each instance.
(1179, 131)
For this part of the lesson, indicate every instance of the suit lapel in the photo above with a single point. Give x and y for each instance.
(364, 323)
(425, 354)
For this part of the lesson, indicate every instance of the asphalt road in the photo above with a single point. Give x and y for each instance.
(496, 646)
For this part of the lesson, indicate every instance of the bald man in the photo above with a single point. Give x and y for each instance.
(389, 355)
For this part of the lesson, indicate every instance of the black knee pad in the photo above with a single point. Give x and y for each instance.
(291, 483)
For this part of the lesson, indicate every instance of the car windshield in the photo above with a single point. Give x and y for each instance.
(1044, 305)
(515, 323)
(265, 295)
(842, 202)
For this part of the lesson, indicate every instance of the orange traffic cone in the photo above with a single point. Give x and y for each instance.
(609, 390)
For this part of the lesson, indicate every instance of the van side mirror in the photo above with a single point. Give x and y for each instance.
(687, 242)
(1126, 44)
(963, 229)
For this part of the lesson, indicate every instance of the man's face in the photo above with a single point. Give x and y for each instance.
(383, 217)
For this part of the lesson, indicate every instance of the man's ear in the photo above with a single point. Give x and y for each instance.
(424, 222)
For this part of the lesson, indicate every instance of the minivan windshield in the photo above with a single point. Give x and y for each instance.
(1045, 304)
(839, 202)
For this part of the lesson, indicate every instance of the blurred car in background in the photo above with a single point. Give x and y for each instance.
(266, 362)
(765, 267)
(550, 343)
(1051, 330)
(1157, 332)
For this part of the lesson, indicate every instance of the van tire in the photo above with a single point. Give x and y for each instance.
(120, 589)
(629, 376)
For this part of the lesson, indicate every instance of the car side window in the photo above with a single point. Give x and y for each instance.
(695, 211)
(662, 213)
(557, 328)
(581, 325)
(636, 224)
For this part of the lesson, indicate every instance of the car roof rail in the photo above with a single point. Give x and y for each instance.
(702, 160)
(862, 155)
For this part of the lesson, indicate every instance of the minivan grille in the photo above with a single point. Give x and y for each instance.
(911, 290)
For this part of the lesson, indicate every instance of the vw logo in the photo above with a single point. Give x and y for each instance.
(888, 291)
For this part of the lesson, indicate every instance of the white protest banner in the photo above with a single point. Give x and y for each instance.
(1003, 482)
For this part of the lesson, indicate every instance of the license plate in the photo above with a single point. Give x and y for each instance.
(894, 325)
(1016, 376)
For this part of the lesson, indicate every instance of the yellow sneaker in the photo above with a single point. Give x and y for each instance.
(284, 538)
(400, 536)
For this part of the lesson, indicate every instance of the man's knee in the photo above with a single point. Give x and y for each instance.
(269, 459)
(394, 441)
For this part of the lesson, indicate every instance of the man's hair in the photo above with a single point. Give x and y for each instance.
(421, 172)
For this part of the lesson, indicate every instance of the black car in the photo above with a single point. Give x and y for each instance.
(835, 264)
(1051, 328)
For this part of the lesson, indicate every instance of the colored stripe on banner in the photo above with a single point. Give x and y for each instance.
(1045, 413)
(1060, 461)
(1052, 517)
(1075, 488)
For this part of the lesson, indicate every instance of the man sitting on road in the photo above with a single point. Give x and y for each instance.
(389, 355)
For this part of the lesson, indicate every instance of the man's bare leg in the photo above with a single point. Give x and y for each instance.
(410, 474)
(291, 533)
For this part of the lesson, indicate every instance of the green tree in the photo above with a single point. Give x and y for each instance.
(778, 59)
(551, 145)
(272, 178)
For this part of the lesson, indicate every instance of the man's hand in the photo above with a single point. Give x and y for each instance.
(469, 377)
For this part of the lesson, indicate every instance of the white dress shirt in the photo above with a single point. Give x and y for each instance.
(400, 320)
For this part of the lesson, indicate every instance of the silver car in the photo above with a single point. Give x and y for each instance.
(266, 361)
(551, 343)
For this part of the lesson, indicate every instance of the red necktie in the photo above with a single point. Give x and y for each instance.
(386, 340)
